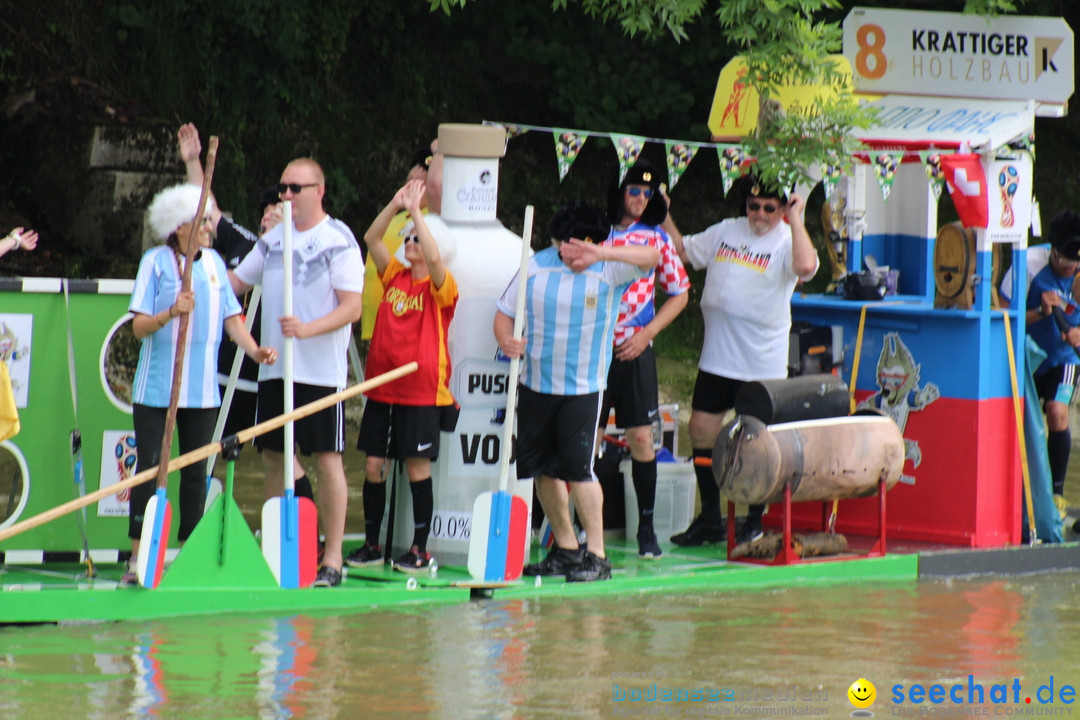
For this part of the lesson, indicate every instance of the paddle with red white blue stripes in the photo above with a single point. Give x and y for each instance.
(500, 519)
(290, 525)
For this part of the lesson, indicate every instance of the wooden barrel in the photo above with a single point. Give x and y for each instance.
(804, 397)
(954, 266)
(825, 459)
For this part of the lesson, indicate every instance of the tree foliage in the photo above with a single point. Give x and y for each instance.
(359, 84)
(784, 42)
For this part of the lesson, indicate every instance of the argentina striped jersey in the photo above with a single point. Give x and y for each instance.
(569, 322)
(157, 284)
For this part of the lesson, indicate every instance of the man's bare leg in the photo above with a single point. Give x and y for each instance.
(589, 503)
(333, 500)
(555, 499)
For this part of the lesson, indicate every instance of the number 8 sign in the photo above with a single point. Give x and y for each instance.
(870, 60)
(914, 52)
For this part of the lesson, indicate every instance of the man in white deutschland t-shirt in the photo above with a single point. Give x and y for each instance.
(752, 265)
(328, 284)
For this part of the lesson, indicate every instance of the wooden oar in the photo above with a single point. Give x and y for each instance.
(157, 520)
(290, 525)
(204, 452)
(500, 519)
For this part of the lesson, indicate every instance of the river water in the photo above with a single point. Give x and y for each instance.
(775, 653)
(788, 653)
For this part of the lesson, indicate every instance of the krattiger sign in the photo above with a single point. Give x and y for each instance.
(955, 55)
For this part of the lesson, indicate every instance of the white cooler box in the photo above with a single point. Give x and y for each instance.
(676, 490)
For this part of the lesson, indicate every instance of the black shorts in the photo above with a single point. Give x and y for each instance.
(1057, 383)
(714, 394)
(194, 428)
(322, 432)
(556, 435)
(400, 431)
(241, 411)
(632, 391)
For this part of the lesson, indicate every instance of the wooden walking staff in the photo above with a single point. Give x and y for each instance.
(158, 516)
(193, 456)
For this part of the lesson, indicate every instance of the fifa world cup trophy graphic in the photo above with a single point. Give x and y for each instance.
(1008, 179)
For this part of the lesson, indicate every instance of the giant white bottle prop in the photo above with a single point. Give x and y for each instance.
(483, 257)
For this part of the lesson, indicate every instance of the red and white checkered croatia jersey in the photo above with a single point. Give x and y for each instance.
(637, 308)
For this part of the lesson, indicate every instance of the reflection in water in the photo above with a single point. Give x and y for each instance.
(150, 696)
(555, 657)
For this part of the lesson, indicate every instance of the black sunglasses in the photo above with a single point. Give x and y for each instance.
(753, 206)
(295, 187)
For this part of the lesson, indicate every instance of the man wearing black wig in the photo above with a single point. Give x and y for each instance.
(572, 291)
(636, 207)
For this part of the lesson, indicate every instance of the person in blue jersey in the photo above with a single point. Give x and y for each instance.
(636, 207)
(572, 302)
(1055, 378)
(156, 303)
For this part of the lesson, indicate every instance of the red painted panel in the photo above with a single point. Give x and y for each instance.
(966, 490)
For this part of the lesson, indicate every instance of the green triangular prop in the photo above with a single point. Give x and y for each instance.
(201, 562)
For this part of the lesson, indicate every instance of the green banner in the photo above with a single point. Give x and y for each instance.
(38, 461)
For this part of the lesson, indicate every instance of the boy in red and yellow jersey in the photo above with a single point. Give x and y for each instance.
(402, 419)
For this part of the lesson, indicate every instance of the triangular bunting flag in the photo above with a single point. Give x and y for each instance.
(786, 176)
(568, 144)
(935, 175)
(513, 131)
(885, 172)
(679, 156)
(1027, 143)
(628, 147)
(832, 169)
(731, 160)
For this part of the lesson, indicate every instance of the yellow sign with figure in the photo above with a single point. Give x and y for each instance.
(734, 112)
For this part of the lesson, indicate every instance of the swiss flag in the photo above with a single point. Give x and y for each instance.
(966, 181)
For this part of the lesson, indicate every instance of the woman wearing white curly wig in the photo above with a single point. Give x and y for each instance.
(156, 303)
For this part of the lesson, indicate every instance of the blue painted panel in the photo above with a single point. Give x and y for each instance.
(962, 352)
(911, 254)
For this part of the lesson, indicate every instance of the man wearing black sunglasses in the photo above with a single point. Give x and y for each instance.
(328, 279)
(636, 207)
(233, 242)
(752, 264)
